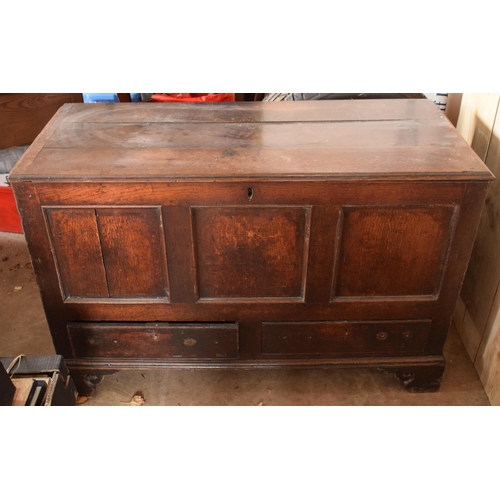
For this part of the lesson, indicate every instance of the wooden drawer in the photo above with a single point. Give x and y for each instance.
(340, 338)
(154, 340)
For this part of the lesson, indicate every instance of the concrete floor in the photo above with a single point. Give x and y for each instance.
(23, 329)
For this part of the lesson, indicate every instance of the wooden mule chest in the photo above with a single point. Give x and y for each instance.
(287, 234)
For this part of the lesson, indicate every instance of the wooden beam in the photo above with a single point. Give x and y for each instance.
(453, 107)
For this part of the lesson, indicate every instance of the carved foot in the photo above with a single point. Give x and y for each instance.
(419, 378)
(86, 383)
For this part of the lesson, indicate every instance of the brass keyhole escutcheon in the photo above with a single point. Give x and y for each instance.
(189, 342)
(407, 335)
(382, 336)
(250, 193)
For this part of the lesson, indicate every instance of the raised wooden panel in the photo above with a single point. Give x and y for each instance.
(392, 251)
(134, 253)
(324, 227)
(330, 339)
(109, 252)
(77, 251)
(154, 340)
(179, 254)
(251, 252)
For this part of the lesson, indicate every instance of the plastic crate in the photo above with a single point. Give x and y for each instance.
(93, 98)
(193, 97)
(10, 221)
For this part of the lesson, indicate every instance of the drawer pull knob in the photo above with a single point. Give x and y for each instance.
(382, 336)
(189, 342)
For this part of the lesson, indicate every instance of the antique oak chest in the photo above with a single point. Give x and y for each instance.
(288, 234)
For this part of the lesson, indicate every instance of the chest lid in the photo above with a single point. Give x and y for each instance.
(397, 138)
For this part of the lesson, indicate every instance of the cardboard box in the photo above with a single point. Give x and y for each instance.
(7, 388)
(60, 390)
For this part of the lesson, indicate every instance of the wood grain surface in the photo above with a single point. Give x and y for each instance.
(154, 340)
(247, 233)
(251, 252)
(23, 116)
(77, 249)
(398, 138)
(403, 250)
(338, 339)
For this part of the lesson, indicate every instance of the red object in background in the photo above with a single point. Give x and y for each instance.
(193, 97)
(9, 216)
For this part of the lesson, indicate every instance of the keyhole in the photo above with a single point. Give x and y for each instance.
(250, 193)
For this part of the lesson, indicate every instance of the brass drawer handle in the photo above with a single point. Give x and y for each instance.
(382, 336)
(189, 342)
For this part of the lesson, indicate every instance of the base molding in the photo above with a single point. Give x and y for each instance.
(418, 374)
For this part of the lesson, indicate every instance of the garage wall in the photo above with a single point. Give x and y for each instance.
(477, 316)
(23, 116)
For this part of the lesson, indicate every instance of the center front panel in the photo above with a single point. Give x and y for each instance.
(251, 252)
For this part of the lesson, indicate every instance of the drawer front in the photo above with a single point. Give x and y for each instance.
(340, 338)
(154, 340)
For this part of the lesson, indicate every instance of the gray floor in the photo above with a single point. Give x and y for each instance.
(23, 329)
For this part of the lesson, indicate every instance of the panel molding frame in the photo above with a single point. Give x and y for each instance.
(57, 265)
(307, 208)
(71, 299)
(335, 298)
